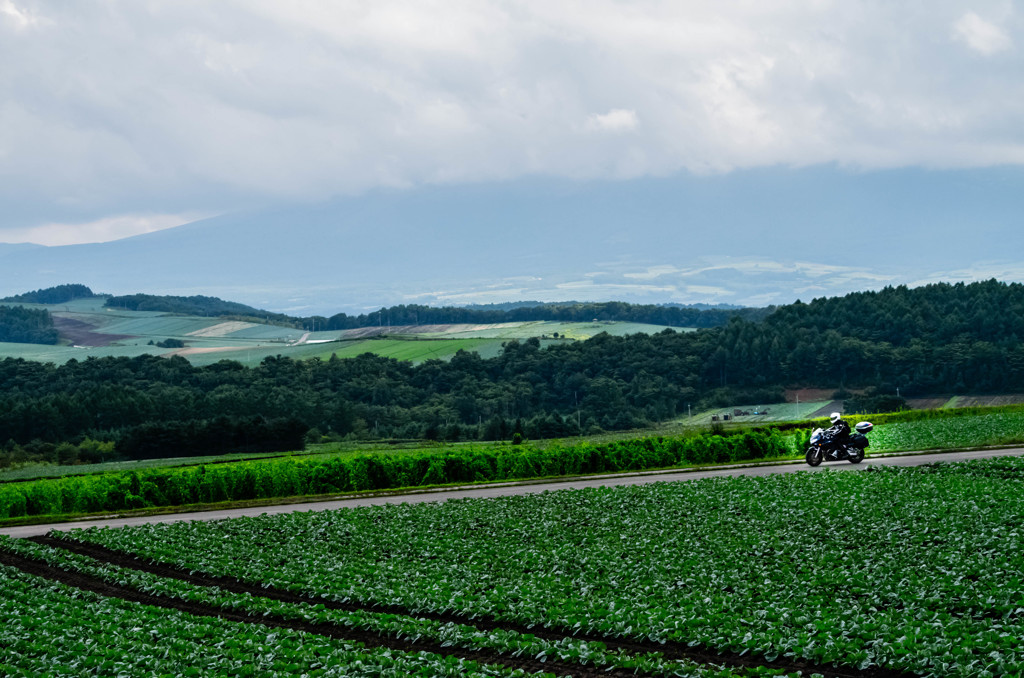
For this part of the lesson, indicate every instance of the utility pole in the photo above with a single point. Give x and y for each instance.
(579, 426)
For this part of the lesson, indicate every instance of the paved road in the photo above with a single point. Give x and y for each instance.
(506, 489)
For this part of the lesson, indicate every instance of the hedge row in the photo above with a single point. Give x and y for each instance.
(312, 476)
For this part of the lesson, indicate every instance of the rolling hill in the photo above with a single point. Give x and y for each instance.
(89, 328)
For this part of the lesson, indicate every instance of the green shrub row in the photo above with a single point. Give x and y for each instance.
(313, 476)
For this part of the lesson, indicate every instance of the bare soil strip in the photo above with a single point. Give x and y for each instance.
(670, 650)
(80, 333)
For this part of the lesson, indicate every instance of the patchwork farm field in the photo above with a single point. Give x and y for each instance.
(888, 572)
(61, 354)
(569, 330)
(90, 329)
(758, 413)
(411, 349)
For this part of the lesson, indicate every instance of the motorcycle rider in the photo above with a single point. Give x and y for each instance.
(839, 433)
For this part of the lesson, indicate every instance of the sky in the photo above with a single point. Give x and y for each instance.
(121, 117)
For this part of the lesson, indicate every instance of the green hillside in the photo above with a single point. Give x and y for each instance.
(93, 327)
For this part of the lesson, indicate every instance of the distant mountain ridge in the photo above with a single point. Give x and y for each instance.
(651, 241)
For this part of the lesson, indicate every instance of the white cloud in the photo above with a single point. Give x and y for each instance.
(616, 121)
(708, 292)
(652, 272)
(224, 104)
(980, 35)
(102, 230)
(16, 16)
(591, 287)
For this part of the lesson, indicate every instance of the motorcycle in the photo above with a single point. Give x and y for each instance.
(823, 448)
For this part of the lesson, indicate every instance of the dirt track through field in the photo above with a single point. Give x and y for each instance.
(671, 650)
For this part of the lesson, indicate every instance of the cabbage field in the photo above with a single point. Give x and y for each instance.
(885, 572)
(950, 432)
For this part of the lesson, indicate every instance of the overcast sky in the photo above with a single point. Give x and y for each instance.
(122, 117)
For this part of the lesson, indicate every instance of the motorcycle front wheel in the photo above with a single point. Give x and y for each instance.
(856, 456)
(813, 456)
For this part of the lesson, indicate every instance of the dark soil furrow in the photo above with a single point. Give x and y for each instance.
(368, 639)
(670, 650)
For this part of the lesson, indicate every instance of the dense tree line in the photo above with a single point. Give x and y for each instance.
(26, 326)
(413, 314)
(989, 311)
(195, 305)
(155, 440)
(52, 295)
(671, 316)
(934, 339)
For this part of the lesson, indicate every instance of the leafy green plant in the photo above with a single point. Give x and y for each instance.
(52, 629)
(913, 569)
(506, 642)
(978, 430)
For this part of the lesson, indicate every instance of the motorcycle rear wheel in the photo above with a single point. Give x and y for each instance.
(856, 456)
(813, 456)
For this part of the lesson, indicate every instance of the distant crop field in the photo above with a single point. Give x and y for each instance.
(222, 329)
(252, 354)
(121, 332)
(161, 325)
(525, 330)
(985, 401)
(411, 350)
(92, 305)
(61, 354)
(258, 332)
(247, 353)
(772, 412)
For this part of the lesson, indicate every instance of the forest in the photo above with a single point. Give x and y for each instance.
(935, 339)
(52, 295)
(26, 326)
(654, 314)
(195, 305)
(415, 314)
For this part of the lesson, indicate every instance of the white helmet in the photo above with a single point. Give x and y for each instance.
(834, 417)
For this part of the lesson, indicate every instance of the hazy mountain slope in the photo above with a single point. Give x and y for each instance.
(650, 241)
